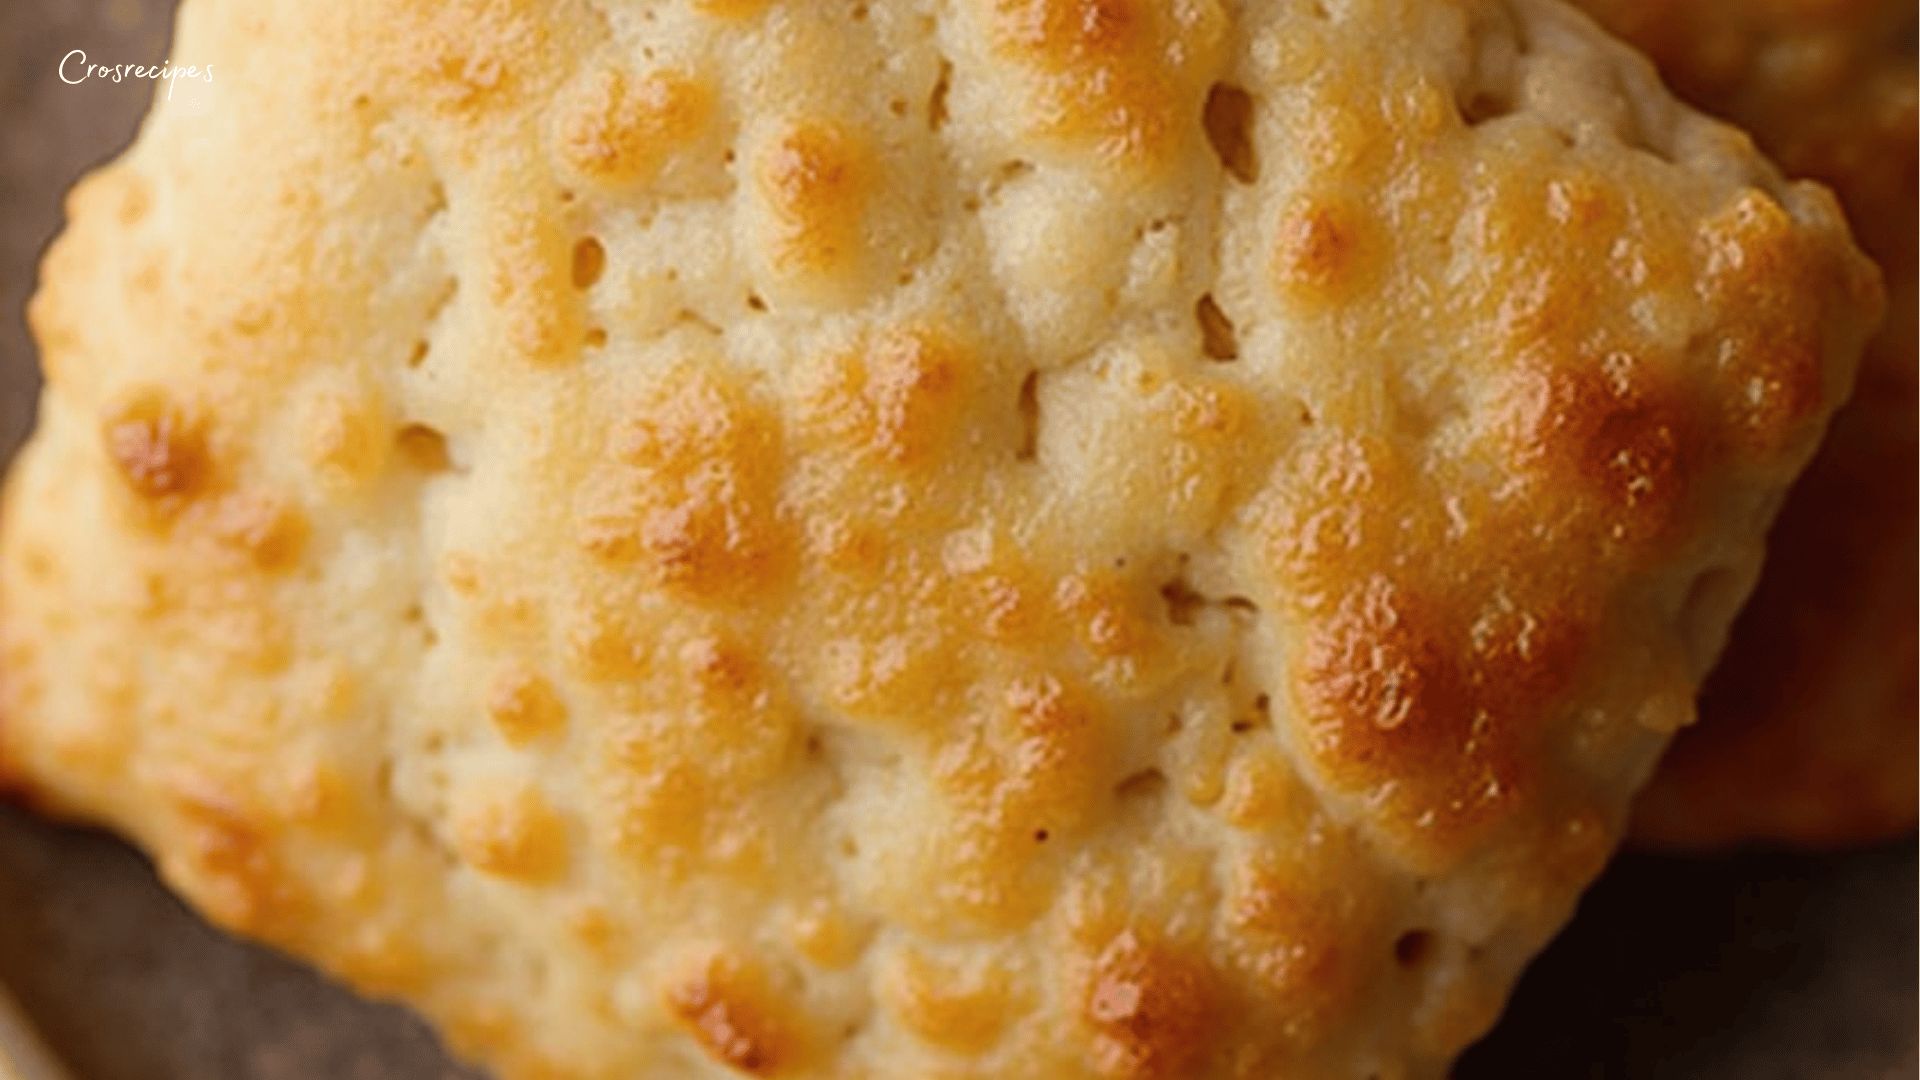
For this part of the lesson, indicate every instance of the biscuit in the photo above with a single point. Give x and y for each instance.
(1810, 728)
(1019, 539)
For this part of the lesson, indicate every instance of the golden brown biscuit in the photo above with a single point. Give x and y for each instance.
(1810, 726)
(1027, 539)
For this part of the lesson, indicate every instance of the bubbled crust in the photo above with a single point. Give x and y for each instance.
(1809, 726)
(1027, 538)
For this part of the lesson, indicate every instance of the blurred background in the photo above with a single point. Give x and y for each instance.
(1759, 966)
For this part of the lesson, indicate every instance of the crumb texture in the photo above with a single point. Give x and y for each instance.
(1013, 538)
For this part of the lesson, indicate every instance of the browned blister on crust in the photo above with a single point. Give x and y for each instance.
(1809, 726)
(1043, 539)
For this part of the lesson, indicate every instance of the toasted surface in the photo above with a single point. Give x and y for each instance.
(1810, 728)
(1036, 539)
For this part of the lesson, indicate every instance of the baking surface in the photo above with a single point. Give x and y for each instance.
(1758, 966)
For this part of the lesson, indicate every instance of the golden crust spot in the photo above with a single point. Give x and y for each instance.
(894, 399)
(381, 961)
(827, 936)
(525, 707)
(692, 493)
(1582, 203)
(597, 929)
(730, 9)
(814, 177)
(964, 1008)
(318, 795)
(879, 674)
(1066, 31)
(1436, 706)
(1055, 742)
(530, 285)
(1614, 435)
(1781, 285)
(662, 807)
(465, 55)
(1321, 523)
(346, 438)
(229, 872)
(160, 450)
(1297, 937)
(721, 671)
(1109, 617)
(603, 644)
(1317, 249)
(727, 1009)
(1123, 74)
(1149, 1011)
(1205, 412)
(227, 862)
(263, 527)
(679, 788)
(1428, 684)
(1262, 791)
(1007, 609)
(1374, 666)
(1033, 770)
(615, 129)
(1023, 779)
(509, 831)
